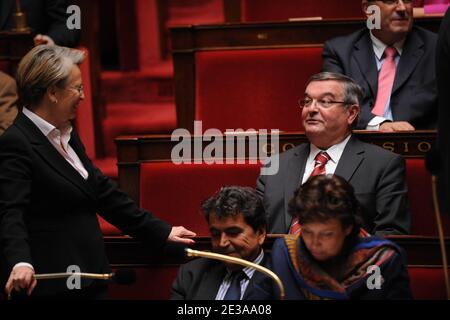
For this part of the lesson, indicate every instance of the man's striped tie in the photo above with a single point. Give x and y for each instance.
(319, 168)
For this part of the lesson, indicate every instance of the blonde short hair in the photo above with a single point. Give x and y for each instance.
(42, 67)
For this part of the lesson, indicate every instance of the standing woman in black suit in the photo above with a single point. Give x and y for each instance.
(50, 191)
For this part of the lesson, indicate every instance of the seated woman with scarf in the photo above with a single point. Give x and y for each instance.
(331, 258)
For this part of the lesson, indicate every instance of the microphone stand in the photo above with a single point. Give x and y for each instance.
(62, 275)
(242, 262)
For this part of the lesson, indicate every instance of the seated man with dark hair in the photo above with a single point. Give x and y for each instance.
(237, 224)
(329, 259)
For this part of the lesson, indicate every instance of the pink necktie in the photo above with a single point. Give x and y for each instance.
(319, 168)
(385, 81)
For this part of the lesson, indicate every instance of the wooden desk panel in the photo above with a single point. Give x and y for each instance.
(124, 251)
(269, 34)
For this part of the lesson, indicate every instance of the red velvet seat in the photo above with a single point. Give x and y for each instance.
(108, 229)
(175, 192)
(427, 283)
(256, 89)
(421, 200)
(153, 283)
(164, 182)
(137, 118)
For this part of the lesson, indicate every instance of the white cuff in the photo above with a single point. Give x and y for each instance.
(374, 123)
(23, 264)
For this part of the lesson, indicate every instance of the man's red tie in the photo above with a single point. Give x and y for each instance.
(385, 81)
(319, 168)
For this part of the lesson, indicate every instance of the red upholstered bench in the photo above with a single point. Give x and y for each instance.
(153, 283)
(421, 200)
(175, 192)
(427, 283)
(256, 88)
(136, 118)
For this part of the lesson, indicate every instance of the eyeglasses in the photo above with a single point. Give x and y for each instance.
(391, 2)
(323, 103)
(79, 88)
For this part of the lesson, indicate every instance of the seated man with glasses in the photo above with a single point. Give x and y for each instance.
(329, 110)
(393, 62)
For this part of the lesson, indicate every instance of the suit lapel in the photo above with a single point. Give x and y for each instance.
(213, 279)
(351, 158)
(296, 169)
(412, 53)
(365, 58)
(6, 7)
(51, 156)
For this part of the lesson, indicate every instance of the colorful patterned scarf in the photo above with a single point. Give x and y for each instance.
(318, 284)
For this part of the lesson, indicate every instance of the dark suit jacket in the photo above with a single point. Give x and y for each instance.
(414, 96)
(48, 211)
(377, 176)
(43, 16)
(443, 82)
(200, 279)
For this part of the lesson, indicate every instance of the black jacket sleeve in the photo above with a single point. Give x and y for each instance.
(57, 28)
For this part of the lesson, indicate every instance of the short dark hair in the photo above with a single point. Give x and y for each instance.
(324, 197)
(234, 200)
(352, 91)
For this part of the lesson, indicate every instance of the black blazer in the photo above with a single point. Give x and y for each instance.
(201, 278)
(377, 176)
(43, 16)
(414, 95)
(48, 211)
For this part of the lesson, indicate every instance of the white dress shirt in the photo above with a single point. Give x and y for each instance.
(244, 282)
(335, 153)
(378, 48)
(60, 140)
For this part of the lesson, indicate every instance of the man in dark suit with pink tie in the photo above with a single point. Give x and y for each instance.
(393, 64)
